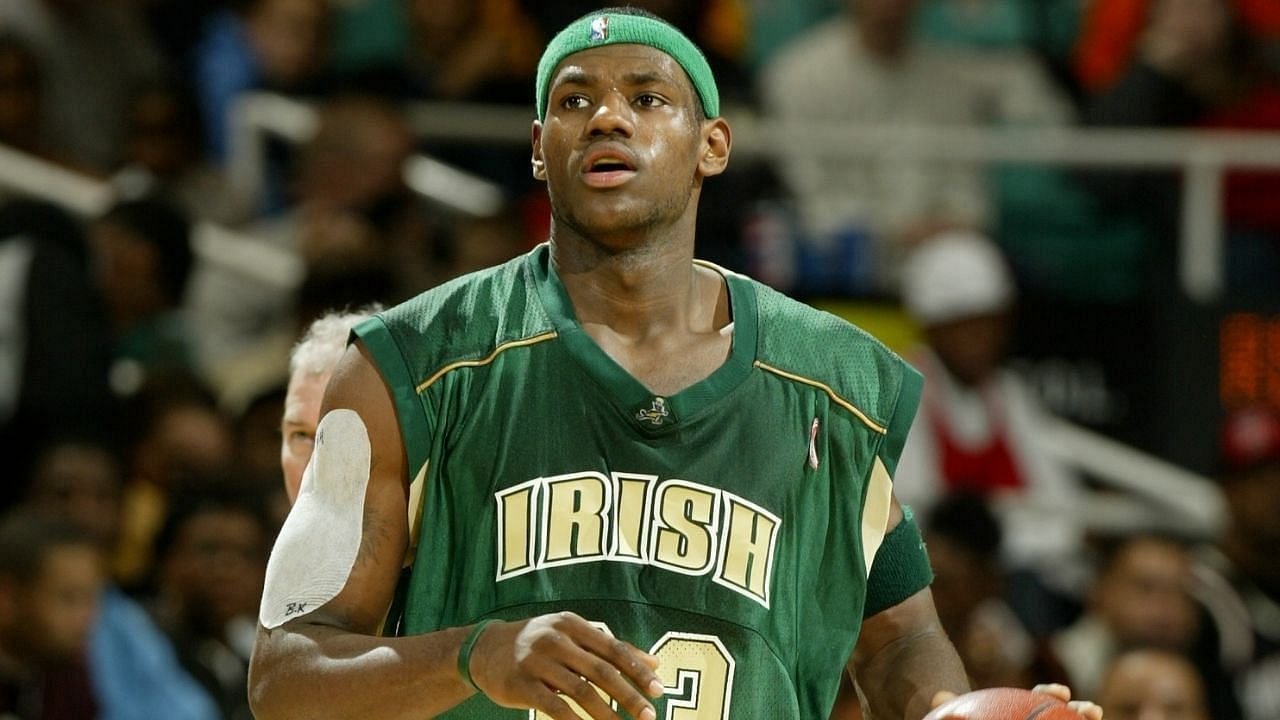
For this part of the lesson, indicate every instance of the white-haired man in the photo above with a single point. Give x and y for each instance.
(311, 364)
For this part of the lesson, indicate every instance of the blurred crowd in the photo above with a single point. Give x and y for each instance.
(161, 361)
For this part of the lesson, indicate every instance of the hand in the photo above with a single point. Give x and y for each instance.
(531, 663)
(1083, 708)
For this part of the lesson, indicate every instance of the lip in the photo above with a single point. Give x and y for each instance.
(608, 178)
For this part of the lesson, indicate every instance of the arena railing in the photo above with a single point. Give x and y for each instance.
(1202, 156)
(1152, 490)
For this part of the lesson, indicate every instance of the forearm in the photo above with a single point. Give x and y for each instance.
(308, 670)
(901, 680)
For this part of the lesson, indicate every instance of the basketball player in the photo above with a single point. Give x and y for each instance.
(625, 484)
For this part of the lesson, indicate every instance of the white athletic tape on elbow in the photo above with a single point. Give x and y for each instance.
(317, 546)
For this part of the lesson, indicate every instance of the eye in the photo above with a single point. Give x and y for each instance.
(574, 102)
(301, 436)
(649, 100)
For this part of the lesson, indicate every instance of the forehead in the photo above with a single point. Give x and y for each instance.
(306, 388)
(614, 62)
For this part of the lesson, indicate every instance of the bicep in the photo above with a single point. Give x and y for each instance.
(379, 546)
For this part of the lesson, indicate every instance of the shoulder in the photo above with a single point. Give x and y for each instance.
(805, 342)
(465, 318)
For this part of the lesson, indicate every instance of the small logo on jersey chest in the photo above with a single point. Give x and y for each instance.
(657, 413)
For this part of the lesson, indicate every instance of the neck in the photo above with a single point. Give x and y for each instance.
(638, 289)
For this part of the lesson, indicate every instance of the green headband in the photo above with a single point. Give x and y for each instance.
(599, 29)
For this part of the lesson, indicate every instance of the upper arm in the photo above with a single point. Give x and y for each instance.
(363, 601)
(881, 628)
(903, 656)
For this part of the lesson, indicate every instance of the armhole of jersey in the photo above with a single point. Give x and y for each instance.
(904, 413)
(411, 415)
(878, 498)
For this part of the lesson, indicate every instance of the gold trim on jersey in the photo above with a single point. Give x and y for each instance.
(415, 514)
(485, 361)
(875, 512)
(830, 393)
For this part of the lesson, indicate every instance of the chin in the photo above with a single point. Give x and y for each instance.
(601, 223)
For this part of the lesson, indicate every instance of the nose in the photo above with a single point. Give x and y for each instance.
(612, 116)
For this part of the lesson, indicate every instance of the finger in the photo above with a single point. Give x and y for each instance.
(1086, 709)
(577, 690)
(1062, 692)
(547, 701)
(611, 681)
(651, 660)
(638, 667)
(942, 696)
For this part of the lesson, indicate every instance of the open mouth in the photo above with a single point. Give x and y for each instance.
(607, 169)
(609, 164)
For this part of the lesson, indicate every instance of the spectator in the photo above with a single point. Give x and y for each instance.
(310, 366)
(134, 670)
(92, 54)
(981, 430)
(1110, 30)
(55, 340)
(354, 222)
(1141, 598)
(1248, 551)
(164, 154)
(211, 559)
(179, 436)
(471, 51)
(1152, 685)
(964, 542)
(144, 258)
(858, 216)
(483, 51)
(1195, 65)
(278, 45)
(50, 577)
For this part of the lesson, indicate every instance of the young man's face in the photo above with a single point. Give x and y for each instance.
(1144, 595)
(623, 146)
(57, 610)
(216, 566)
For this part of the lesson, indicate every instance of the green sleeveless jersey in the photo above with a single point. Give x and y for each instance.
(728, 529)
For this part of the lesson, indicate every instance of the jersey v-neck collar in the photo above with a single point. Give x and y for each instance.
(649, 412)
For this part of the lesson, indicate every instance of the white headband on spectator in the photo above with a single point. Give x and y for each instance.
(316, 549)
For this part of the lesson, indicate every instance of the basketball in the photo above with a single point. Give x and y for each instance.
(1003, 704)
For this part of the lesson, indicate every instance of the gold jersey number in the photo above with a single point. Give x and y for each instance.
(696, 672)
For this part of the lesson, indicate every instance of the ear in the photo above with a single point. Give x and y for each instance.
(717, 141)
(539, 166)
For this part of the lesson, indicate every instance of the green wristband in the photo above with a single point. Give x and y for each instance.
(464, 652)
